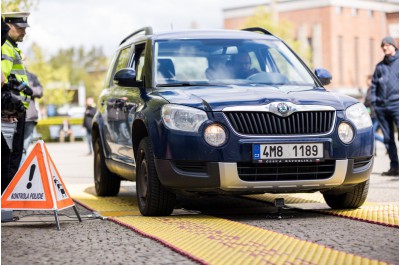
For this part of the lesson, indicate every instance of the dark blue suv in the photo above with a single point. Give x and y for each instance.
(225, 112)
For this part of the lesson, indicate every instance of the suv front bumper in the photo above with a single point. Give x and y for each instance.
(223, 177)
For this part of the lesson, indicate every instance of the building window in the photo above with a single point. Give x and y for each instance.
(394, 30)
(354, 12)
(371, 54)
(370, 13)
(338, 10)
(340, 53)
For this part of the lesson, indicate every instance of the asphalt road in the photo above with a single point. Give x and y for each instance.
(34, 238)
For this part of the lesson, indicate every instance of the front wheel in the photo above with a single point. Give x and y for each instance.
(351, 199)
(106, 183)
(153, 198)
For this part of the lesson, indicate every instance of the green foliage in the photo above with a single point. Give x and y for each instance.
(68, 67)
(37, 64)
(65, 69)
(282, 29)
(18, 5)
(58, 97)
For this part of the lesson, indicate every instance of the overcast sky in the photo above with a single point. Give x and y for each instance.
(65, 23)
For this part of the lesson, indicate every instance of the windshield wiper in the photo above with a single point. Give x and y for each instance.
(185, 84)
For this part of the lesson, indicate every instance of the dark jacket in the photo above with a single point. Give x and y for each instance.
(32, 112)
(385, 82)
(87, 120)
(368, 104)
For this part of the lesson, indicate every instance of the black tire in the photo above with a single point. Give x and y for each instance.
(153, 198)
(349, 200)
(106, 183)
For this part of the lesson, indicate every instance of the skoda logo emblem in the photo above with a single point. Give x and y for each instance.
(283, 108)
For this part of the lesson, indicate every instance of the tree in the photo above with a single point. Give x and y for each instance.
(95, 65)
(84, 66)
(68, 68)
(54, 81)
(283, 29)
(37, 64)
(18, 5)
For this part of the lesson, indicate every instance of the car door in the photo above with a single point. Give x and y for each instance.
(122, 103)
(131, 102)
(113, 102)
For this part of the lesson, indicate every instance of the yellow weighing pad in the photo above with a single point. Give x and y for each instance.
(211, 240)
(379, 213)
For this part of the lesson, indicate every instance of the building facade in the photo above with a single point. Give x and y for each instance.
(344, 35)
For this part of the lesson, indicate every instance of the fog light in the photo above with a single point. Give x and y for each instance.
(346, 132)
(215, 135)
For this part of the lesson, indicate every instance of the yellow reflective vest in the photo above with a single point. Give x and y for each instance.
(11, 63)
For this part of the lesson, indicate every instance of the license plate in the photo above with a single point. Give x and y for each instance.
(276, 153)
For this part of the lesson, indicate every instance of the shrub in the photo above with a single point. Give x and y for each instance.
(42, 127)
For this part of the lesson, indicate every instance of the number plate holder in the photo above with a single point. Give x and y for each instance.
(287, 153)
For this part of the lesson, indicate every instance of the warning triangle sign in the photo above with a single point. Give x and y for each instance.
(37, 185)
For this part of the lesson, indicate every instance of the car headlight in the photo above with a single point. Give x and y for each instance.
(358, 114)
(215, 135)
(346, 132)
(182, 118)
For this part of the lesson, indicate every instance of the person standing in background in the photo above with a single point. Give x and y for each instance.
(66, 131)
(87, 121)
(371, 110)
(385, 99)
(32, 114)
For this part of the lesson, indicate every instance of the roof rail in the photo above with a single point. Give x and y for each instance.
(255, 29)
(147, 31)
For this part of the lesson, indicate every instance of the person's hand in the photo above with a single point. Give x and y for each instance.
(9, 119)
(3, 78)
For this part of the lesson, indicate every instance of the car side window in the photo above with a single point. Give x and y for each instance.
(284, 67)
(139, 61)
(108, 82)
(254, 61)
(123, 59)
(120, 61)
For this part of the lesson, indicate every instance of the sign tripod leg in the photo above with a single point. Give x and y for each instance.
(57, 222)
(77, 213)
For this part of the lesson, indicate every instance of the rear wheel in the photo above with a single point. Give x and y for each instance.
(350, 199)
(106, 183)
(153, 198)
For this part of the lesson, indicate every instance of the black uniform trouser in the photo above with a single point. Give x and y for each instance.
(5, 163)
(388, 117)
(8, 170)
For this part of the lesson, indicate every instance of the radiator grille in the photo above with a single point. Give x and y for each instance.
(191, 166)
(266, 123)
(286, 171)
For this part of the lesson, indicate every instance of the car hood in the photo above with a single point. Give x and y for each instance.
(216, 98)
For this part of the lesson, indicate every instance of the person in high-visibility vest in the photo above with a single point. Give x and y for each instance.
(11, 64)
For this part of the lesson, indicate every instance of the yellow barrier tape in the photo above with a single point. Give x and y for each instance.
(380, 213)
(214, 240)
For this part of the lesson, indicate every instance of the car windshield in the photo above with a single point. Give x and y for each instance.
(228, 62)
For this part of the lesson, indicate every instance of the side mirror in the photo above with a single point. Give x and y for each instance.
(125, 77)
(323, 75)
